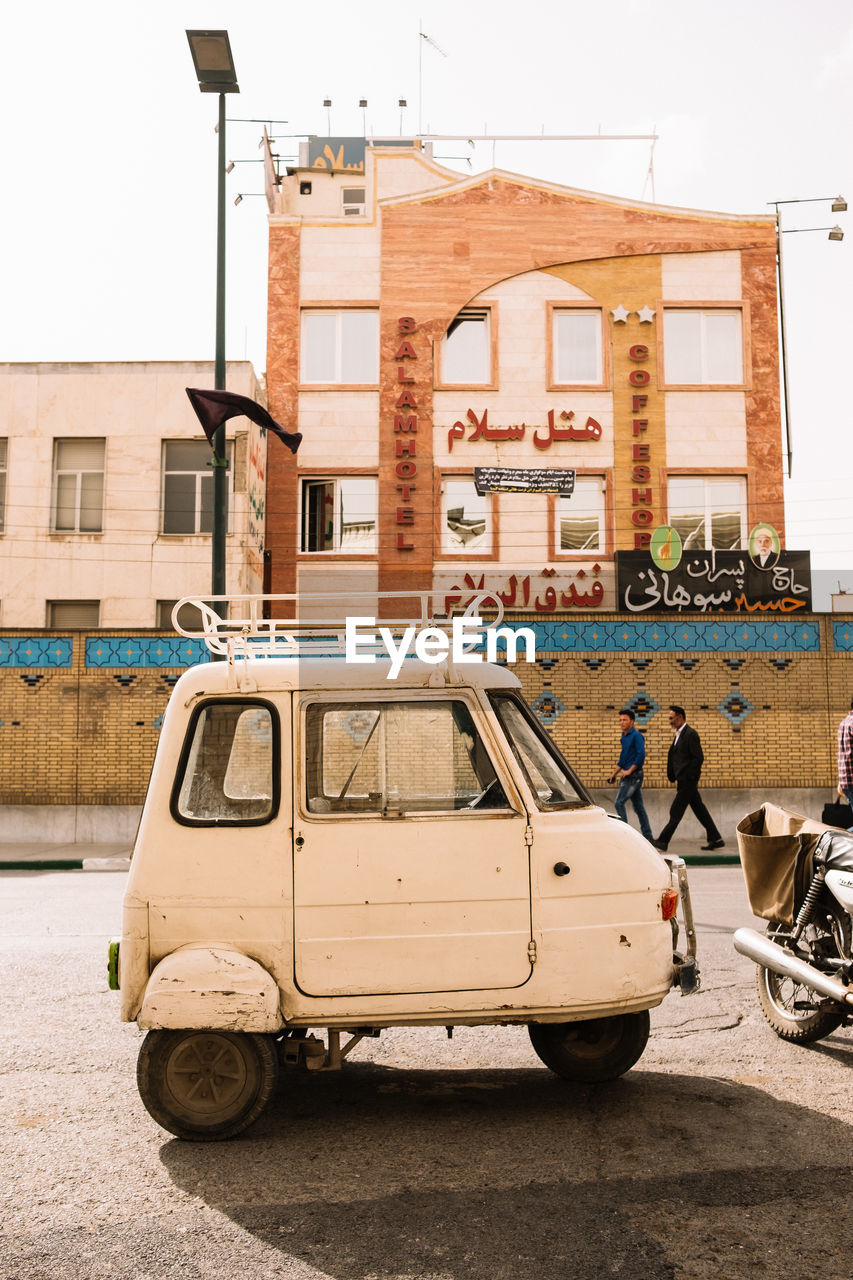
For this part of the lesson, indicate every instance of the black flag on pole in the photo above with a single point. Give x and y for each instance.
(215, 407)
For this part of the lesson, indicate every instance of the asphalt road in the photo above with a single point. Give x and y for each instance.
(724, 1153)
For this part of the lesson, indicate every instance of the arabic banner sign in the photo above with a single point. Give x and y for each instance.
(532, 480)
(714, 582)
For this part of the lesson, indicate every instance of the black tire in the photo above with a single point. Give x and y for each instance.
(592, 1051)
(795, 1013)
(205, 1086)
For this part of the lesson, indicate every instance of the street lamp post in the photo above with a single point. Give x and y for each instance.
(839, 205)
(214, 66)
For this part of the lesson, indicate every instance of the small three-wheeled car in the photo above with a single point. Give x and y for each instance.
(324, 848)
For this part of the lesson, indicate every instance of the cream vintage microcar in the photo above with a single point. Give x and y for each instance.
(322, 847)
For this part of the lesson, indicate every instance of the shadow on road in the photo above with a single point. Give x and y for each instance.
(463, 1175)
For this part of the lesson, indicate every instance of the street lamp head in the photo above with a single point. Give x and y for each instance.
(214, 65)
(835, 233)
(839, 205)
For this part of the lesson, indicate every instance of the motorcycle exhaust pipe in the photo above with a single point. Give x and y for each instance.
(771, 956)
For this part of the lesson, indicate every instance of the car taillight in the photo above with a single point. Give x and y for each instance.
(668, 903)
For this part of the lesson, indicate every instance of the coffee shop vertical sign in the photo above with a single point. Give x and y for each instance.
(642, 513)
(405, 433)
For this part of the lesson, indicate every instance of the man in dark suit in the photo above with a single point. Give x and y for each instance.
(683, 767)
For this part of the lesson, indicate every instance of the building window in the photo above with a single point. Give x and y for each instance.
(577, 347)
(339, 514)
(73, 615)
(466, 519)
(190, 615)
(708, 511)
(188, 486)
(353, 201)
(78, 486)
(4, 445)
(703, 348)
(340, 347)
(466, 349)
(580, 518)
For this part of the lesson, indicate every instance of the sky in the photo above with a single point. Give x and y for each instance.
(108, 219)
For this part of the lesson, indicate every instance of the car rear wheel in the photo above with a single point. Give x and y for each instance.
(206, 1085)
(593, 1051)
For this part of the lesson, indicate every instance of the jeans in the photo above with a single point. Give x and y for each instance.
(631, 788)
(848, 791)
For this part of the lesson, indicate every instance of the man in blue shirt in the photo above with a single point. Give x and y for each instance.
(629, 771)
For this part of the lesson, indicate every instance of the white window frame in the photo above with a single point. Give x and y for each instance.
(483, 377)
(78, 473)
(709, 483)
(368, 547)
(353, 208)
(339, 315)
(704, 312)
(588, 484)
(200, 474)
(562, 377)
(478, 546)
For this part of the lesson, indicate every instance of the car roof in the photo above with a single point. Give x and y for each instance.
(324, 675)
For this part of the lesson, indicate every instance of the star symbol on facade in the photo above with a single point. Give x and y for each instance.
(620, 315)
(646, 315)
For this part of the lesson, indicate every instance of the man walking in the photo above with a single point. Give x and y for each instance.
(683, 767)
(629, 771)
(845, 755)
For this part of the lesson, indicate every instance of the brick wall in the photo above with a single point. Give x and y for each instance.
(80, 715)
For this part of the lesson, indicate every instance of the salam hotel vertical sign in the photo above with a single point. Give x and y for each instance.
(405, 433)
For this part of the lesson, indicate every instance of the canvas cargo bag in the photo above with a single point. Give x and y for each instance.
(776, 850)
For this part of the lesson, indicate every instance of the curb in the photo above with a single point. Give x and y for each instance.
(65, 864)
(712, 859)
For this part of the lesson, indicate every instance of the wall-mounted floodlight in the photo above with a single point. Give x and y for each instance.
(839, 205)
(214, 65)
(238, 199)
(362, 102)
(229, 166)
(835, 233)
(402, 103)
(327, 102)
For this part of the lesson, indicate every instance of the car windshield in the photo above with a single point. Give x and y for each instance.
(550, 778)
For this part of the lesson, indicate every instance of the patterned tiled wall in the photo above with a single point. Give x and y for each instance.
(80, 715)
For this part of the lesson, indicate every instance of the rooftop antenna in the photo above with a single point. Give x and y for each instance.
(429, 40)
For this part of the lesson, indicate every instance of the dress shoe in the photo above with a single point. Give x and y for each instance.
(714, 844)
(659, 844)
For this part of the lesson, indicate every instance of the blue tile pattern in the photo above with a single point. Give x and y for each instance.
(842, 636)
(36, 651)
(700, 636)
(735, 707)
(144, 651)
(547, 706)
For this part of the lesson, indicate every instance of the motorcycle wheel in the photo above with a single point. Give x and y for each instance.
(795, 1013)
(593, 1051)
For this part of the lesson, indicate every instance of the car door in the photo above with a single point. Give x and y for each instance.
(411, 869)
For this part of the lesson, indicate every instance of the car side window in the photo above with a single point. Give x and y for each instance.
(394, 758)
(229, 766)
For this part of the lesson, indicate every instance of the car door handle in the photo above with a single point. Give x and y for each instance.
(561, 869)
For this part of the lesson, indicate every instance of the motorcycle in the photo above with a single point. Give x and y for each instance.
(805, 968)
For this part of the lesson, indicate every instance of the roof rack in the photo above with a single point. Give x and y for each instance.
(239, 626)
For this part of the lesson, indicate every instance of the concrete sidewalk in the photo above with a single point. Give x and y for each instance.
(50, 856)
(47, 856)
